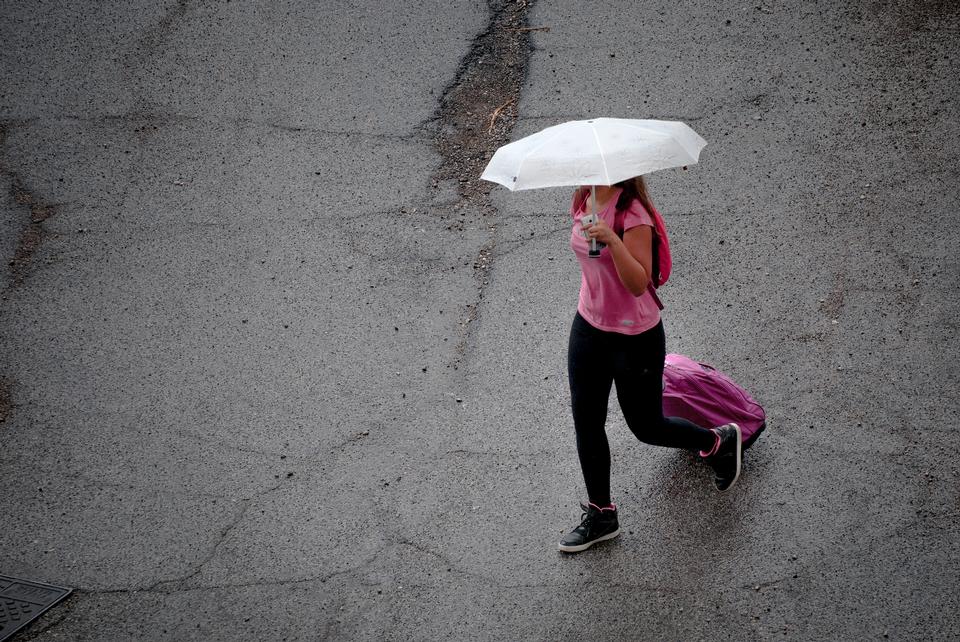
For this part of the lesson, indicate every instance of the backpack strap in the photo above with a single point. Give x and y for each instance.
(653, 293)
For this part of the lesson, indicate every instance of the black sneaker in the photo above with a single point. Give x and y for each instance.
(726, 461)
(597, 525)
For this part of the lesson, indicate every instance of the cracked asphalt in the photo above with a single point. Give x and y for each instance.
(275, 365)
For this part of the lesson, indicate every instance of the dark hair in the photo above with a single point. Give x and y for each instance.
(634, 188)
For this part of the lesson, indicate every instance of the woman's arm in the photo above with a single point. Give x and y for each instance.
(632, 256)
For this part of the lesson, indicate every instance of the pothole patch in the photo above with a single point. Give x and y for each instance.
(5, 399)
(32, 232)
(476, 115)
(478, 110)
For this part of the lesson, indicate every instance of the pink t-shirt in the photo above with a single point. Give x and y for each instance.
(605, 302)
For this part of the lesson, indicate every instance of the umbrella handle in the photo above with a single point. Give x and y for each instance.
(594, 250)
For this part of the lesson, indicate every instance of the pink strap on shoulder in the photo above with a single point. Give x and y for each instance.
(664, 260)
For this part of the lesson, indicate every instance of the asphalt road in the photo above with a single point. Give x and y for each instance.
(274, 364)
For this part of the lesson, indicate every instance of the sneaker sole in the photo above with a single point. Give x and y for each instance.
(583, 547)
(736, 476)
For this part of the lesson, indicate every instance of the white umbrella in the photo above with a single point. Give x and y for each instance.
(600, 151)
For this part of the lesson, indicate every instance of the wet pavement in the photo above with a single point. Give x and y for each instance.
(274, 364)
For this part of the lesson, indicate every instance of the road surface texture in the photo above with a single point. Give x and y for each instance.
(275, 364)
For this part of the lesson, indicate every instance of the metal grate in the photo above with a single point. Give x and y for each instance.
(22, 601)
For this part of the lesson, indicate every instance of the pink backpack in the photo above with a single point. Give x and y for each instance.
(702, 394)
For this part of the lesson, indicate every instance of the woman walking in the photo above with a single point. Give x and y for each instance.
(618, 338)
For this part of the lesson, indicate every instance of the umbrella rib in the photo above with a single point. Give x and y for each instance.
(534, 150)
(600, 149)
(668, 135)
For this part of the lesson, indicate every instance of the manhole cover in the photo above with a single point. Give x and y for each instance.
(22, 601)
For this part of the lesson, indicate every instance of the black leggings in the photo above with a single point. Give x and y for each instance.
(595, 360)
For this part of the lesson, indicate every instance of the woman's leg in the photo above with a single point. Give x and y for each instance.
(588, 367)
(639, 378)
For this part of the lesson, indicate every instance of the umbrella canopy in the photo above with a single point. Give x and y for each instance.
(600, 151)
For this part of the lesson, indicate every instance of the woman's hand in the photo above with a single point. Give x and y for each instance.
(602, 232)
